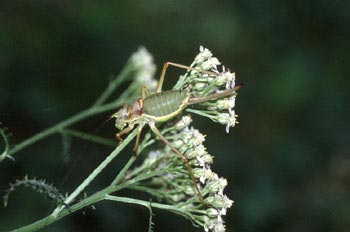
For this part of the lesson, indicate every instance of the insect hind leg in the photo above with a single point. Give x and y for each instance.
(122, 132)
(166, 65)
(184, 159)
(144, 91)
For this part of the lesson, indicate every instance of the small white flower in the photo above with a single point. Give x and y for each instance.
(204, 54)
(230, 79)
(212, 212)
(215, 225)
(198, 151)
(198, 138)
(176, 197)
(192, 138)
(219, 227)
(221, 80)
(207, 173)
(178, 143)
(217, 186)
(223, 118)
(232, 122)
(200, 160)
(203, 174)
(183, 123)
(210, 64)
(219, 201)
(208, 224)
(226, 103)
(189, 190)
(227, 203)
(223, 211)
(227, 118)
(199, 86)
(208, 159)
(152, 157)
(226, 79)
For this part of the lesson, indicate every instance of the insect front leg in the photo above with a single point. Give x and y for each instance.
(137, 143)
(122, 132)
(184, 159)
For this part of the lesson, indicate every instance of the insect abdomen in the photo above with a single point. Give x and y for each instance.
(165, 105)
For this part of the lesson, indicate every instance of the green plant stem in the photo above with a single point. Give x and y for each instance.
(148, 204)
(89, 137)
(96, 171)
(151, 191)
(113, 84)
(66, 123)
(97, 197)
(121, 174)
(200, 112)
(146, 142)
(128, 200)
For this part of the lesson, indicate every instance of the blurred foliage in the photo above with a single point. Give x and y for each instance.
(288, 160)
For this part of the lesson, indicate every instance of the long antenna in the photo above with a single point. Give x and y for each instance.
(80, 153)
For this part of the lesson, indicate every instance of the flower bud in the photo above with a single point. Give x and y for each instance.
(203, 55)
(217, 186)
(183, 123)
(210, 64)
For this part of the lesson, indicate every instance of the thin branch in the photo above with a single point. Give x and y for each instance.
(95, 173)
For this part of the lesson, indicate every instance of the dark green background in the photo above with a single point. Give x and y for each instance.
(288, 160)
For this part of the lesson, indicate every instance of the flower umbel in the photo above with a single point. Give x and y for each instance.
(175, 187)
(143, 61)
(201, 84)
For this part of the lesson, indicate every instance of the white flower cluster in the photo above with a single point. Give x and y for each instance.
(205, 79)
(143, 62)
(175, 186)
